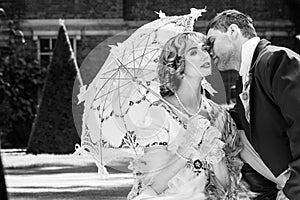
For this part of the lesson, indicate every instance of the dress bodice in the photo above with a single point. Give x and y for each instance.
(212, 139)
(165, 131)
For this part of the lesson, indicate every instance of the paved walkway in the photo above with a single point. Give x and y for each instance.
(63, 181)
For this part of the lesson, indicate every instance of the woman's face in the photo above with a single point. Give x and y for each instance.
(197, 60)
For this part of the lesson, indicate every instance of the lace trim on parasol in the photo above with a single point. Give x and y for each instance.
(170, 111)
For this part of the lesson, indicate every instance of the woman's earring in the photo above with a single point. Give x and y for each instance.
(182, 76)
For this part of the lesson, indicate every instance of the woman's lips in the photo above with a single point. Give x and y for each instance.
(206, 65)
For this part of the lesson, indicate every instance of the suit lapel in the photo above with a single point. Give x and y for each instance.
(261, 45)
(245, 113)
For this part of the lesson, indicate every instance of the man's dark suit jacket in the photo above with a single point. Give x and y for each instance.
(274, 128)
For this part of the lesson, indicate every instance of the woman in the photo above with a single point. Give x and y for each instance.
(196, 154)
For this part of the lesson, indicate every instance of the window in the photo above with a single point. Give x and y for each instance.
(45, 49)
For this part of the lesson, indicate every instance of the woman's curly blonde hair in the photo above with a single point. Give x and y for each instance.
(171, 63)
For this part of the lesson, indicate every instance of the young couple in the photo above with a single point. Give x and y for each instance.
(249, 152)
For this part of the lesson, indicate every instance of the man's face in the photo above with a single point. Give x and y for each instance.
(222, 50)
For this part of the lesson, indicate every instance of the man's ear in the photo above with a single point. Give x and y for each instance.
(233, 31)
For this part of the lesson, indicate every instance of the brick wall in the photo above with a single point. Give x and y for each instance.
(140, 9)
(86, 44)
(292, 43)
(14, 8)
(53, 9)
(259, 10)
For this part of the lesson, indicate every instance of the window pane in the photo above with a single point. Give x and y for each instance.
(53, 43)
(72, 41)
(45, 60)
(44, 45)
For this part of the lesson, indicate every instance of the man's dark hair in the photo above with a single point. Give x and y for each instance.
(224, 19)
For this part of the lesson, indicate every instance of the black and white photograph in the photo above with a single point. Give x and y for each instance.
(149, 100)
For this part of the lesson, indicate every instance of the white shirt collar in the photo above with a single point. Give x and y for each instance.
(248, 49)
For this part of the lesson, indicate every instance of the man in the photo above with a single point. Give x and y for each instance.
(268, 105)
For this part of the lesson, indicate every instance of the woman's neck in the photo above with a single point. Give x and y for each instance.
(189, 94)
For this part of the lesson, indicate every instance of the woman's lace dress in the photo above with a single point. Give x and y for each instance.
(209, 141)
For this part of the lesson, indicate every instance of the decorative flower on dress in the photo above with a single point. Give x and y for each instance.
(211, 147)
(216, 153)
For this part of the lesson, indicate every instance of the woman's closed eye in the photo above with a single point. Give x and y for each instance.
(193, 52)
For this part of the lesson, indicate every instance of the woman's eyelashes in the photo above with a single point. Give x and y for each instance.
(193, 52)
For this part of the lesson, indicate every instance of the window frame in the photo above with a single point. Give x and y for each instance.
(51, 45)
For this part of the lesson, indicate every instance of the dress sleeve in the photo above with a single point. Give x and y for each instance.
(154, 133)
(211, 147)
(282, 77)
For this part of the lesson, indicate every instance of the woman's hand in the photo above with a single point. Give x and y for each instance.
(160, 181)
(221, 171)
(157, 167)
(151, 162)
(148, 192)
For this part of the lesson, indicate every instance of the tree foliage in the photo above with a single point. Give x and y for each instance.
(21, 77)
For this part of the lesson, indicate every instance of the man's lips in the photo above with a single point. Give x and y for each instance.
(215, 60)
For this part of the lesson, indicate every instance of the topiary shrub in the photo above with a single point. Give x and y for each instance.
(54, 130)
